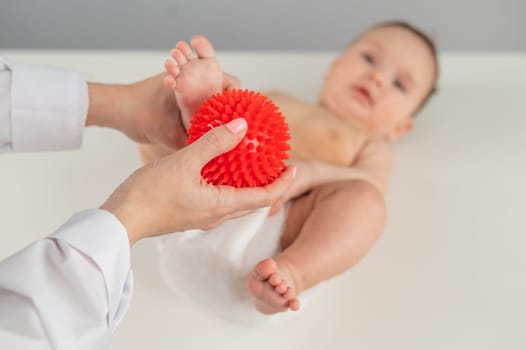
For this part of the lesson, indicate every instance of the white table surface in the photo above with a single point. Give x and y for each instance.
(448, 273)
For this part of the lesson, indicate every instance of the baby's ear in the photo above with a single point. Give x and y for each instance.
(403, 127)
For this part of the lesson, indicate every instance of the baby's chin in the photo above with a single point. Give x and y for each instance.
(352, 121)
(368, 123)
(357, 116)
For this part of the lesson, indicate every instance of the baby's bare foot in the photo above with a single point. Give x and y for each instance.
(271, 286)
(193, 76)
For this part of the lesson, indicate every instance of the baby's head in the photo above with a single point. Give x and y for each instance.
(382, 79)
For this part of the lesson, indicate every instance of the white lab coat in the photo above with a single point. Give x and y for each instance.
(70, 289)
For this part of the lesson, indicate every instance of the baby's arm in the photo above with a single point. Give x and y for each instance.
(375, 162)
(373, 165)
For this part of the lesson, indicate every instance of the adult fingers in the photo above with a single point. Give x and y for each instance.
(258, 197)
(216, 142)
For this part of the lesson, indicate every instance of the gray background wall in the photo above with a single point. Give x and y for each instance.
(468, 25)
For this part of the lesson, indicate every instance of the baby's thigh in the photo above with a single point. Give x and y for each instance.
(331, 203)
(301, 209)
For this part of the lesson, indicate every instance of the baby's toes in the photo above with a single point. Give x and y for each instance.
(171, 68)
(179, 57)
(169, 82)
(289, 294)
(186, 50)
(294, 305)
(281, 288)
(275, 280)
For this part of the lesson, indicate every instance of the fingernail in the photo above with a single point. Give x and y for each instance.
(294, 171)
(237, 125)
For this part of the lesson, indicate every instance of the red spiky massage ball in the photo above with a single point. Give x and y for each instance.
(259, 158)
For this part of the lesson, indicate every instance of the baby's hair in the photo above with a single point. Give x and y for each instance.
(427, 41)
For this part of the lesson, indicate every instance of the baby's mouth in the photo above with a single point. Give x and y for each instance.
(363, 94)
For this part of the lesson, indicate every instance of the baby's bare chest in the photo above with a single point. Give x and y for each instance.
(315, 139)
(319, 135)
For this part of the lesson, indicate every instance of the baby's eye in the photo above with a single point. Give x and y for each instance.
(368, 58)
(399, 85)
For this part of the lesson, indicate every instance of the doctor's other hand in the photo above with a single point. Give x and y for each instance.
(170, 195)
(145, 111)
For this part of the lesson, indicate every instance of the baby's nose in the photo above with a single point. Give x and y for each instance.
(377, 77)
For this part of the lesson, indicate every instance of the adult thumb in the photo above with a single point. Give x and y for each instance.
(217, 141)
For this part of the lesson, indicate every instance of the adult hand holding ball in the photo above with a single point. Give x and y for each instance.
(259, 158)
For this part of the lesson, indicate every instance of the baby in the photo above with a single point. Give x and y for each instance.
(340, 145)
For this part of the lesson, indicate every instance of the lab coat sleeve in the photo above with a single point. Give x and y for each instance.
(41, 108)
(69, 290)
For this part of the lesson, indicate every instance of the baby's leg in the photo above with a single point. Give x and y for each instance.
(194, 77)
(327, 231)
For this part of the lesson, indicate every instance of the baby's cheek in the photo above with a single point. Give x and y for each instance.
(383, 124)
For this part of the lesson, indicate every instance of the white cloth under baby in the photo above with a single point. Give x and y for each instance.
(210, 267)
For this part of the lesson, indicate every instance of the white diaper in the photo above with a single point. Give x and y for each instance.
(210, 267)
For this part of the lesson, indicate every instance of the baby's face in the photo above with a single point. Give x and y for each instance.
(380, 80)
